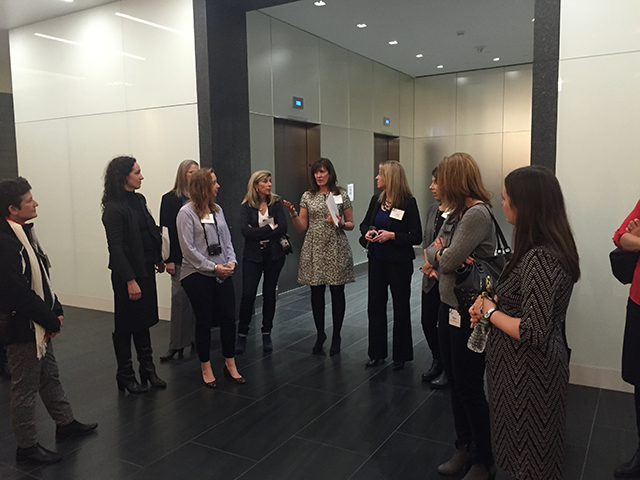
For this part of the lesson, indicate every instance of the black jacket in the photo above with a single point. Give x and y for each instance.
(169, 208)
(126, 250)
(408, 230)
(253, 234)
(16, 296)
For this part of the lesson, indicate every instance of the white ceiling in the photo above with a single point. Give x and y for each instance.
(428, 27)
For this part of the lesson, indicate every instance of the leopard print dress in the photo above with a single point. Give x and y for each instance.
(325, 257)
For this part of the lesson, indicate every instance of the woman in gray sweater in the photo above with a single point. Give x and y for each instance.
(467, 231)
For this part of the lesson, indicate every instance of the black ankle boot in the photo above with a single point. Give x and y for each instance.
(630, 469)
(317, 348)
(335, 346)
(142, 341)
(125, 377)
(434, 372)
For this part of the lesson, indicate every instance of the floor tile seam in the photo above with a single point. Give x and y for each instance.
(316, 390)
(593, 423)
(209, 447)
(411, 435)
(364, 455)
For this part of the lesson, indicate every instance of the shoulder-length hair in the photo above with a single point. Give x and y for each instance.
(115, 178)
(333, 177)
(396, 186)
(252, 197)
(181, 183)
(459, 178)
(541, 217)
(201, 194)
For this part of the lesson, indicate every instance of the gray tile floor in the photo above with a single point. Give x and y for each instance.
(299, 416)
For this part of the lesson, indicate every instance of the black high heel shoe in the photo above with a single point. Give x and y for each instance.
(317, 348)
(130, 384)
(374, 362)
(231, 378)
(172, 353)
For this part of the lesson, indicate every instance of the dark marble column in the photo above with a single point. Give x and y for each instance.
(544, 114)
(8, 153)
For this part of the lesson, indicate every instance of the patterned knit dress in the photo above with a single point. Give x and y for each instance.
(528, 378)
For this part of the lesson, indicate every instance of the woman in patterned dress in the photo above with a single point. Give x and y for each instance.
(325, 258)
(527, 353)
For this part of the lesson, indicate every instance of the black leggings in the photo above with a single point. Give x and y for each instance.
(338, 307)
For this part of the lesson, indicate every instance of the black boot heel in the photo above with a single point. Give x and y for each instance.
(317, 348)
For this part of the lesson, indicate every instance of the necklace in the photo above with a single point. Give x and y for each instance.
(386, 206)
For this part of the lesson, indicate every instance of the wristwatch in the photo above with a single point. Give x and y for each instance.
(487, 315)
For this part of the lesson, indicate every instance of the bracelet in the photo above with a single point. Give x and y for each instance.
(294, 216)
(441, 251)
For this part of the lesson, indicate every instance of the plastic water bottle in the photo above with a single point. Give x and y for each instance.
(478, 339)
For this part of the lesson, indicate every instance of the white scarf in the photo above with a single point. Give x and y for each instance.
(36, 283)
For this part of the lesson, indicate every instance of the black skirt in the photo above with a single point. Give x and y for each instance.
(630, 349)
(133, 316)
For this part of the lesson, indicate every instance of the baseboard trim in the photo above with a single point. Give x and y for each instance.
(101, 304)
(607, 378)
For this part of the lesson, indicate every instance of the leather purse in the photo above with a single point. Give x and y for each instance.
(285, 243)
(623, 264)
(483, 273)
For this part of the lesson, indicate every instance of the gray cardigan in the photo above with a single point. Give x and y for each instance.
(473, 234)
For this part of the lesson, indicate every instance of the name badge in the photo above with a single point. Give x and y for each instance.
(337, 199)
(207, 219)
(454, 318)
(396, 214)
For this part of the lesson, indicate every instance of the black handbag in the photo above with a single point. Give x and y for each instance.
(623, 264)
(483, 273)
(5, 325)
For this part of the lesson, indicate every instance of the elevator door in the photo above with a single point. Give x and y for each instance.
(297, 147)
(384, 148)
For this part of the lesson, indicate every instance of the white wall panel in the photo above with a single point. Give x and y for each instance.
(435, 106)
(334, 84)
(487, 151)
(407, 160)
(517, 98)
(93, 142)
(593, 27)
(43, 159)
(360, 92)
(259, 61)
(361, 156)
(598, 169)
(295, 72)
(429, 151)
(386, 99)
(516, 151)
(479, 101)
(166, 76)
(79, 73)
(407, 107)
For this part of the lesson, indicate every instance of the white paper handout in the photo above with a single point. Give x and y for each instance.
(333, 210)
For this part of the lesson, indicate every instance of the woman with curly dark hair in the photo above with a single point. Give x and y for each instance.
(134, 254)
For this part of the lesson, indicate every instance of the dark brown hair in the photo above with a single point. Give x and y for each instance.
(459, 178)
(541, 217)
(115, 178)
(11, 194)
(333, 177)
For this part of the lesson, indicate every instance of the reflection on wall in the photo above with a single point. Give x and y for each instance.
(486, 113)
(599, 169)
(117, 79)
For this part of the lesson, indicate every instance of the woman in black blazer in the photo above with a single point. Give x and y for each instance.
(263, 225)
(389, 230)
(183, 321)
(134, 254)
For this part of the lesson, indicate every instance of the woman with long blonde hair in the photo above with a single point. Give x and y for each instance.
(390, 229)
(208, 262)
(263, 224)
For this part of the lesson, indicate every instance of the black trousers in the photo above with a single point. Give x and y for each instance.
(465, 372)
(429, 319)
(213, 304)
(251, 274)
(396, 276)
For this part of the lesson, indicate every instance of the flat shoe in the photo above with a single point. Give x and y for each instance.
(398, 365)
(75, 429)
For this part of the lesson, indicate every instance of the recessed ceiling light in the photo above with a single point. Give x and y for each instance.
(68, 1)
(533, 19)
(393, 42)
(319, 3)
(440, 66)
(361, 25)
(419, 55)
(496, 59)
